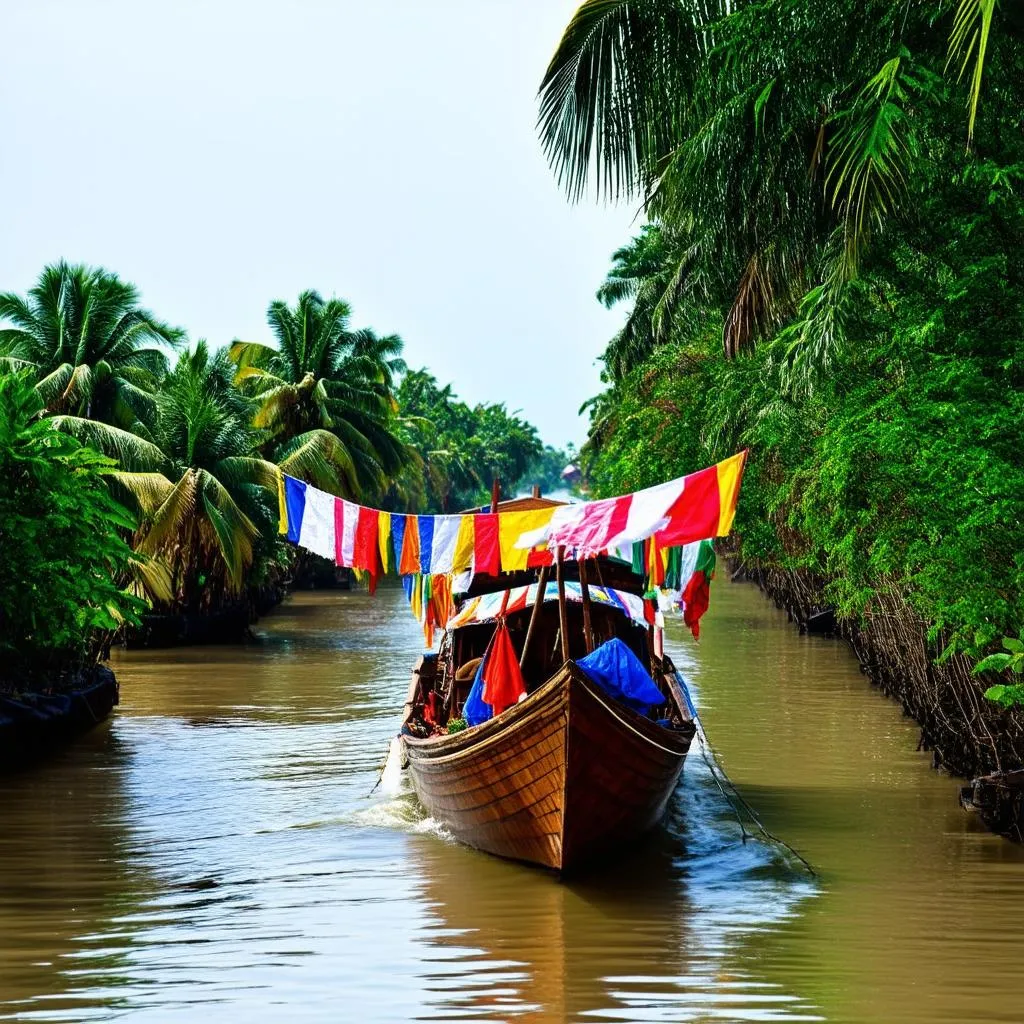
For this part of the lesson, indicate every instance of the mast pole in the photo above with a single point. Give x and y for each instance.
(495, 493)
(563, 618)
(588, 629)
(542, 586)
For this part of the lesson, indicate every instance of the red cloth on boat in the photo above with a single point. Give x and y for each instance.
(696, 599)
(503, 681)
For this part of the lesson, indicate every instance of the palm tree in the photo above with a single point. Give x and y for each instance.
(325, 395)
(773, 138)
(94, 349)
(204, 494)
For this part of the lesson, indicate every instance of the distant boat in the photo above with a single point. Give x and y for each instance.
(571, 475)
(569, 774)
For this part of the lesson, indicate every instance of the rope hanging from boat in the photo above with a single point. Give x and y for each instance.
(734, 798)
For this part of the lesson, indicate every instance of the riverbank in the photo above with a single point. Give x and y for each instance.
(900, 653)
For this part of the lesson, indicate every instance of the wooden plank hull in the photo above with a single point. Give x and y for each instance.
(558, 780)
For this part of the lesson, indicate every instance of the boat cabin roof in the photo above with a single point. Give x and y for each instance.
(488, 607)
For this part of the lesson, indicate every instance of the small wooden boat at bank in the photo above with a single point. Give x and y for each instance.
(34, 724)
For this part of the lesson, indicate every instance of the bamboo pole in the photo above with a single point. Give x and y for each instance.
(542, 584)
(563, 618)
(495, 493)
(588, 629)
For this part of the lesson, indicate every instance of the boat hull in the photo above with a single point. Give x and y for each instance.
(559, 780)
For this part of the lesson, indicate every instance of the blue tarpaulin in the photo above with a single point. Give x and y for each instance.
(476, 710)
(621, 674)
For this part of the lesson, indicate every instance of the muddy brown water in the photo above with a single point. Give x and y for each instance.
(212, 854)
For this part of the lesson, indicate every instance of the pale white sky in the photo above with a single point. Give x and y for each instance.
(224, 153)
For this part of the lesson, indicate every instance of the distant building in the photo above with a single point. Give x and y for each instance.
(571, 475)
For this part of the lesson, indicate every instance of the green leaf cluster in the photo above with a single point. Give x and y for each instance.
(64, 561)
(460, 449)
(1010, 659)
(900, 467)
(830, 277)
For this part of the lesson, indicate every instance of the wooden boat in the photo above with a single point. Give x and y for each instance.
(998, 800)
(33, 724)
(569, 774)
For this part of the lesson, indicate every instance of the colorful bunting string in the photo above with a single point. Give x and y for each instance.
(657, 530)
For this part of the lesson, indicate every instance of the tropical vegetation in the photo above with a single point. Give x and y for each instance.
(64, 568)
(173, 461)
(94, 350)
(459, 450)
(831, 274)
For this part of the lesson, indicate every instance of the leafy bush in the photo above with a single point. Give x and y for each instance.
(1011, 659)
(63, 557)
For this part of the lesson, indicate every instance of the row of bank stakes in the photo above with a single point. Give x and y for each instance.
(665, 533)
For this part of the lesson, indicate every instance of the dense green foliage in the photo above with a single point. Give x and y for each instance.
(1011, 661)
(195, 450)
(203, 494)
(829, 277)
(93, 347)
(459, 449)
(64, 562)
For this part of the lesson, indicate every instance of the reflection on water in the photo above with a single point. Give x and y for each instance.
(214, 852)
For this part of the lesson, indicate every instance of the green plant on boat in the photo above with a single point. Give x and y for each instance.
(456, 725)
(1011, 660)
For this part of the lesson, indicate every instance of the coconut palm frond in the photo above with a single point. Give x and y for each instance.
(251, 354)
(150, 579)
(79, 387)
(236, 470)
(170, 520)
(868, 168)
(145, 491)
(133, 453)
(254, 373)
(54, 385)
(320, 457)
(234, 530)
(275, 405)
(751, 309)
(972, 27)
(612, 94)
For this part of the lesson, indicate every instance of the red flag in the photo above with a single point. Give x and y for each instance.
(696, 513)
(366, 554)
(486, 549)
(503, 681)
(696, 599)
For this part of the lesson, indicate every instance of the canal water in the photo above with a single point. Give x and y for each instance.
(215, 853)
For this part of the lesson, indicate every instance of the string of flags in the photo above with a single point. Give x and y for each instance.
(664, 532)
